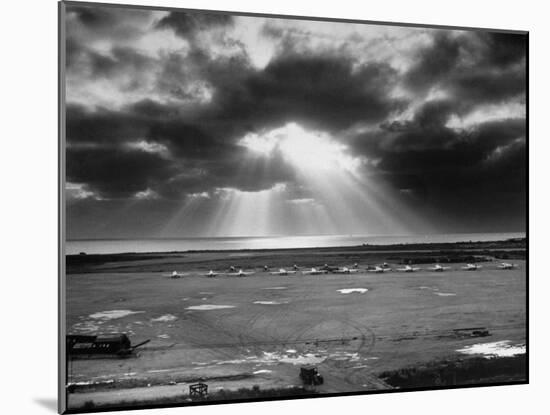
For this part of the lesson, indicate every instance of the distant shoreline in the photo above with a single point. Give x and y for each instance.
(512, 243)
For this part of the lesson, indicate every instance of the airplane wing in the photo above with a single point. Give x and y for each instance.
(176, 275)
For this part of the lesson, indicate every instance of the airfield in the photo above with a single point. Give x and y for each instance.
(257, 330)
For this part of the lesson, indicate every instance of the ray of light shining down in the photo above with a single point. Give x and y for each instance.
(183, 219)
(342, 199)
(242, 213)
(345, 200)
(246, 212)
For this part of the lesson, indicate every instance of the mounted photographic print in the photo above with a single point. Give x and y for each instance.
(258, 207)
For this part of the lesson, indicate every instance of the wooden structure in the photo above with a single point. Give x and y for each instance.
(198, 390)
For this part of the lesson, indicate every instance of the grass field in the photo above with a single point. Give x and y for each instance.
(238, 332)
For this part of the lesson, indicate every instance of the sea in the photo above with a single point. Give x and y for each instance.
(113, 246)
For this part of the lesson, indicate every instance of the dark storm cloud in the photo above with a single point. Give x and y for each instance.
(447, 168)
(189, 141)
(487, 86)
(198, 104)
(196, 160)
(188, 24)
(503, 49)
(95, 17)
(119, 61)
(109, 20)
(490, 135)
(474, 177)
(434, 63)
(426, 130)
(103, 126)
(438, 164)
(107, 23)
(474, 67)
(426, 144)
(324, 91)
(181, 76)
(321, 91)
(237, 171)
(116, 172)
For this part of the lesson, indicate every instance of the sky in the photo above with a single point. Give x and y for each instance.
(196, 124)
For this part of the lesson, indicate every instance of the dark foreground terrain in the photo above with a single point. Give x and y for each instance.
(247, 337)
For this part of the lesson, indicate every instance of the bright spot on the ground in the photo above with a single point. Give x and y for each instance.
(495, 349)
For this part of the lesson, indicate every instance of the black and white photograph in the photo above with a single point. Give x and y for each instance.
(264, 207)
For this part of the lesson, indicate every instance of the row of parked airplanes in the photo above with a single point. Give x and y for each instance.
(336, 270)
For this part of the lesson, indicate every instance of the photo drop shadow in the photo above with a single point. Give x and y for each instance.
(48, 403)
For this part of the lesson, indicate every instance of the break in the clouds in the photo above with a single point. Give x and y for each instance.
(204, 124)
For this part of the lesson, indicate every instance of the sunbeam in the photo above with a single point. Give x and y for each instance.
(342, 199)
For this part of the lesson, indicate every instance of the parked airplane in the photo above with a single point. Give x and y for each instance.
(175, 274)
(506, 265)
(346, 270)
(378, 269)
(240, 273)
(439, 268)
(408, 268)
(212, 274)
(314, 271)
(471, 267)
(329, 268)
(282, 271)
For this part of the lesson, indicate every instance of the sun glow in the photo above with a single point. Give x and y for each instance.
(304, 149)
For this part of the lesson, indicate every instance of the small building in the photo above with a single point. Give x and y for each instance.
(118, 344)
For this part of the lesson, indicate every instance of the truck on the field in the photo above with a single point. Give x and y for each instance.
(310, 375)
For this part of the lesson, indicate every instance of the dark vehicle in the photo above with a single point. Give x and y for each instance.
(103, 344)
(472, 332)
(310, 376)
(480, 333)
